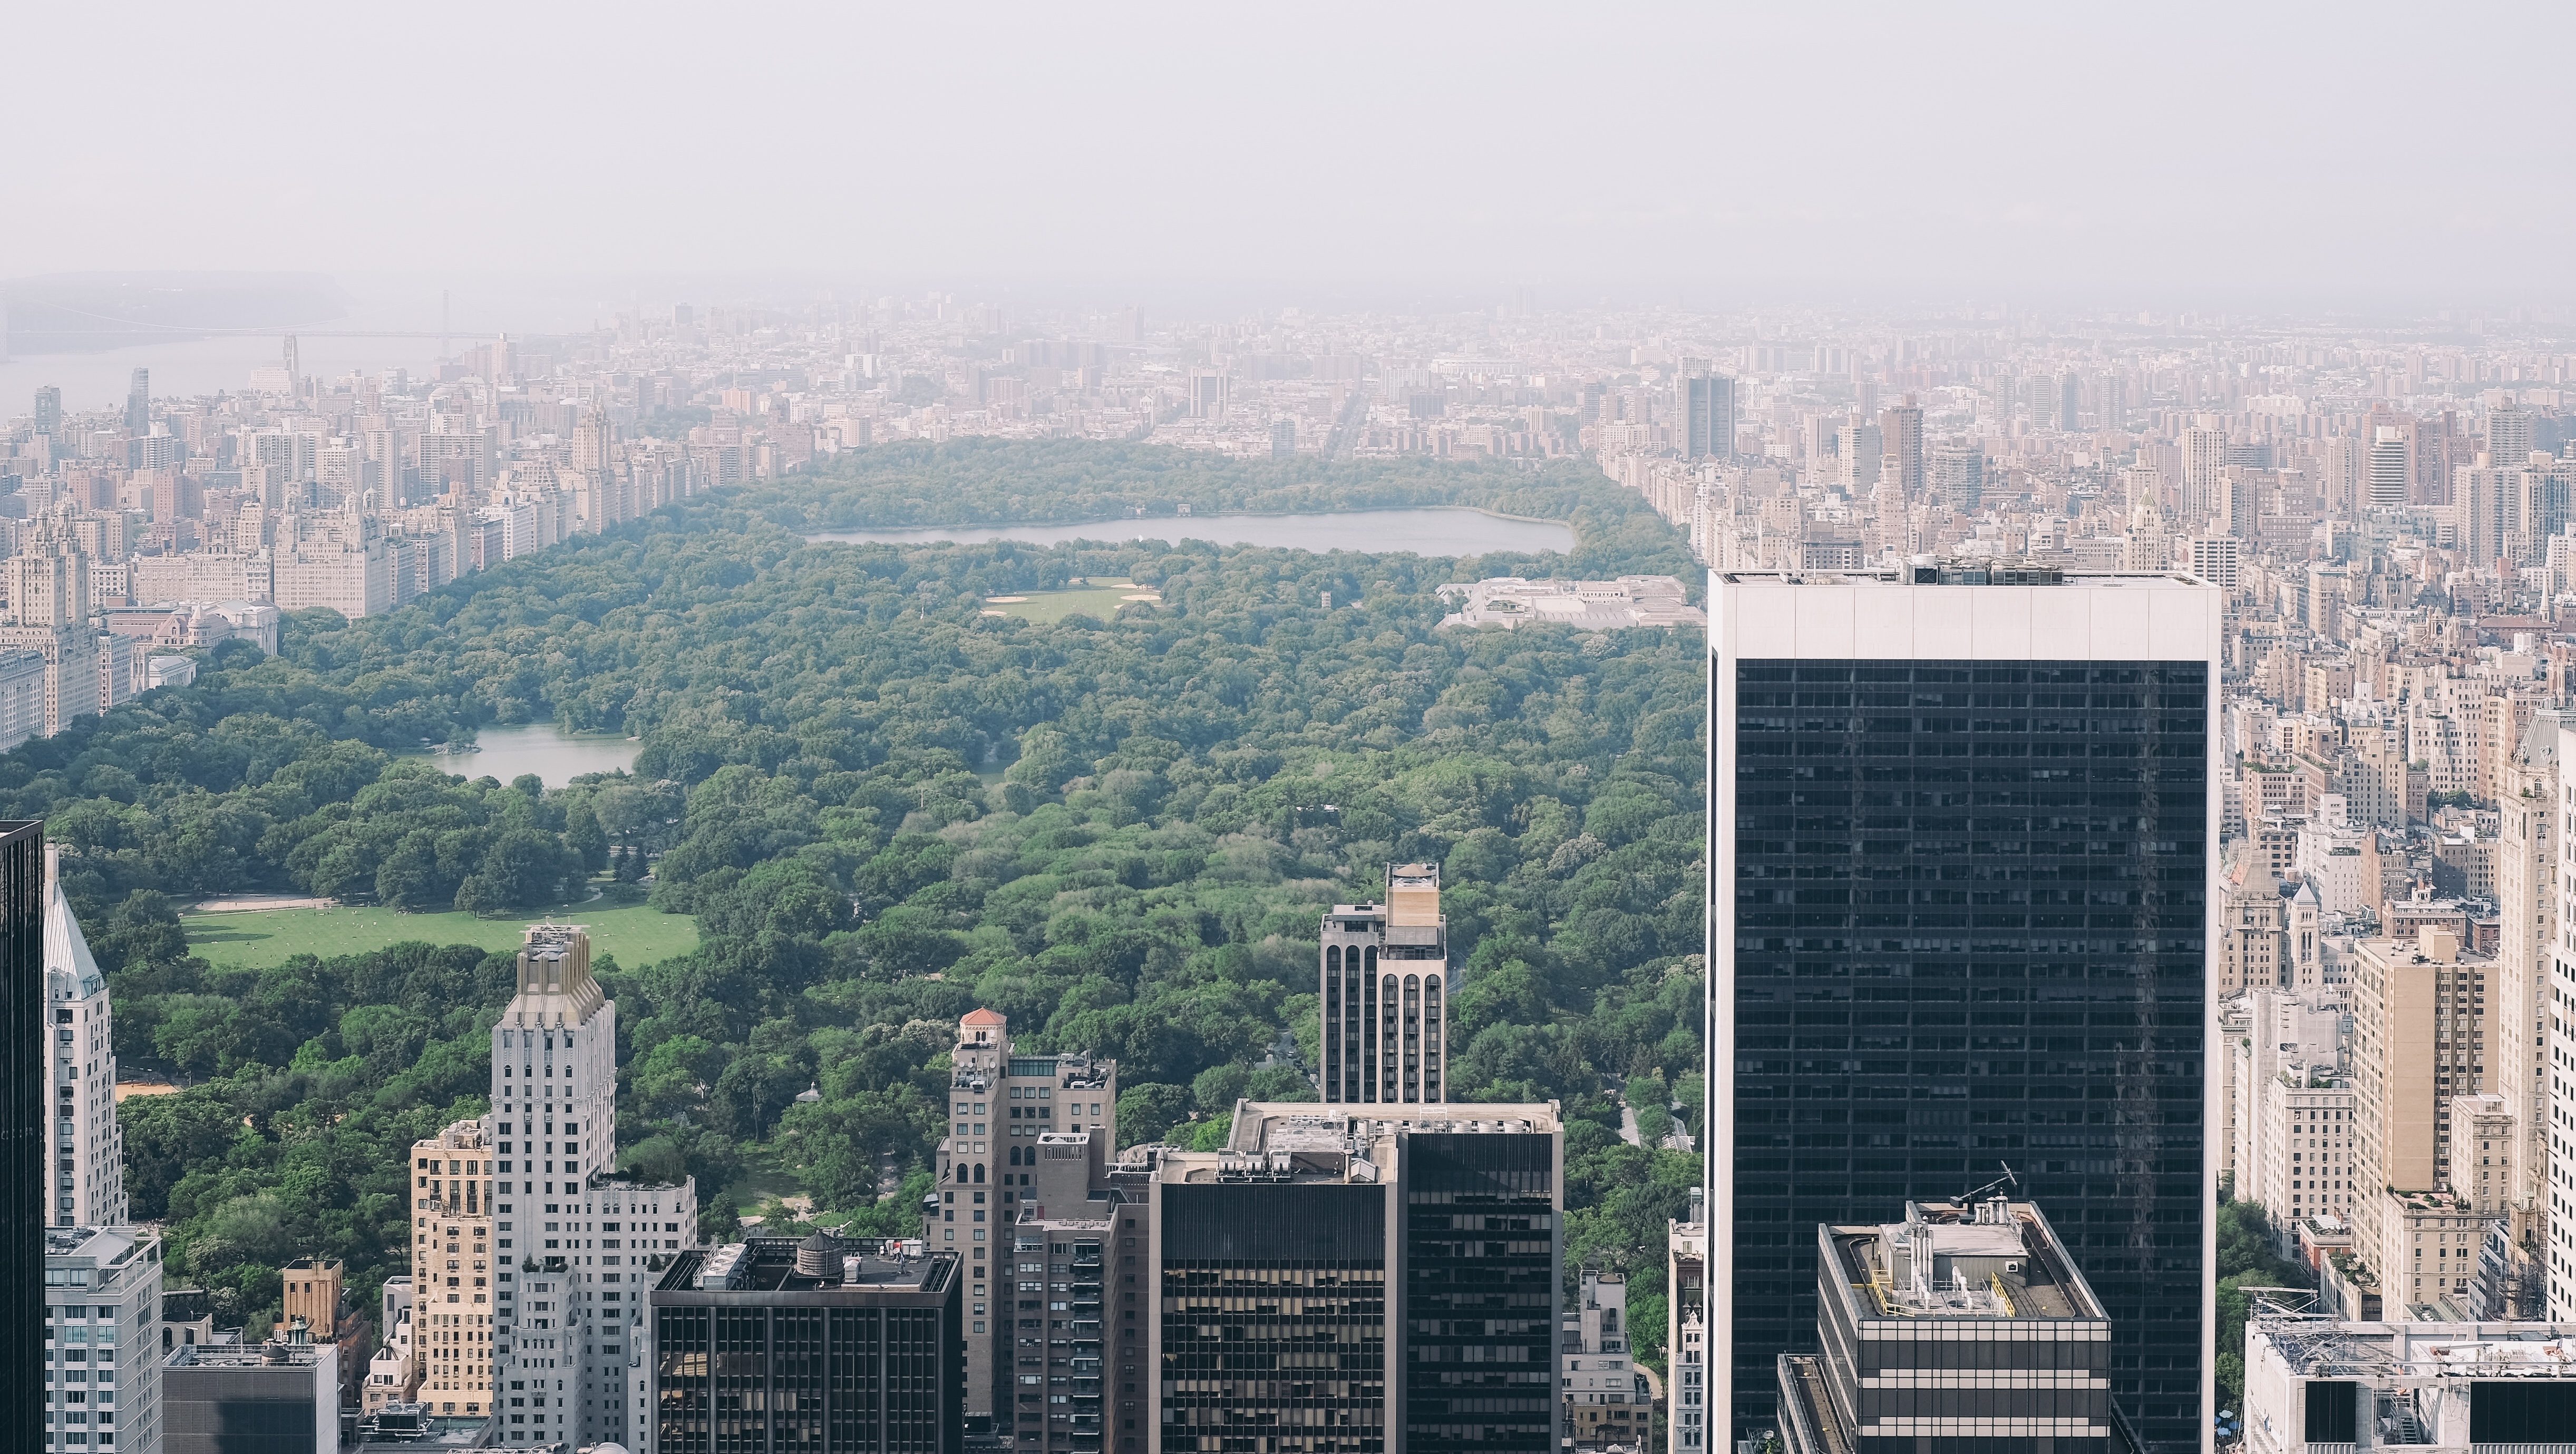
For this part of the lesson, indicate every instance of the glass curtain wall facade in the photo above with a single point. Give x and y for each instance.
(1480, 1274)
(1960, 924)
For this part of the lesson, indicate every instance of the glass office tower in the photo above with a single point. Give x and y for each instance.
(25, 1101)
(1962, 822)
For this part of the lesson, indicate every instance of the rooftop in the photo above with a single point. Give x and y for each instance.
(1994, 1260)
(819, 1263)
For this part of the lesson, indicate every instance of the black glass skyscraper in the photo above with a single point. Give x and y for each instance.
(23, 1093)
(1960, 840)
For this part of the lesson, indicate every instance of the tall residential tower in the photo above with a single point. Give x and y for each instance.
(1384, 994)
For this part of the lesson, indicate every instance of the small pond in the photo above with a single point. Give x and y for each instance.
(543, 748)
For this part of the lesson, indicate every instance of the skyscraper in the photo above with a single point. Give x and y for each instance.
(1384, 995)
(2509, 436)
(1900, 432)
(2070, 402)
(25, 1106)
(1708, 416)
(49, 410)
(2391, 468)
(562, 1328)
(138, 403)
(1950, 823)
(80, 1064)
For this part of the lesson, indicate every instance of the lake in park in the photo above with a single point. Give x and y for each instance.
(543, 748)
(1431, 531)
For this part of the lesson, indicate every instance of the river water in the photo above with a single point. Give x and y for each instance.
(1427, 531)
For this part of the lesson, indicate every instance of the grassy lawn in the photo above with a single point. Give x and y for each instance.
(1096, 598)
(635, 934)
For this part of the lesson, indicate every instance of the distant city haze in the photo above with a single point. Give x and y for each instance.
(2194, 154)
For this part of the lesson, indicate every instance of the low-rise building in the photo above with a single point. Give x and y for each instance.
(1898, 1306)
(1686, 1386)
(1629, 601)
(2314, 1384)
(774, 1343)
(282, 1395)
(1606, 1397)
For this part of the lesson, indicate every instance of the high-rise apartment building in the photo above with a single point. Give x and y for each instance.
(818, 1345)
(577, 1244)
(80, 1068)
(2557, 1168)
(1687, 1381)
(1858, 451)
(138, 403)
(26, 1110)
(1384, 994)
(1900, 432)
(1029, 1135)
(1396, 1278)
(98, 1303)
(457, 1274)
(48, 613)
(2390, 468)
(49, 410)
(1955, 474)
(2419, 1038)
(1934, 801)
(2509, 436)
(2527, 872)
(1707, 426)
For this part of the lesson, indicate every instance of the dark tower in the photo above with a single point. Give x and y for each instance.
(138, 404)
(22, 1125)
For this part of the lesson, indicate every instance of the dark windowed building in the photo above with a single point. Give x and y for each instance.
(1962, 819)
(24, 1112)
(1336, 1284)
(823, 1344)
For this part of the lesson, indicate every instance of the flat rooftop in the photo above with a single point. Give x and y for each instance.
(1304, 1141)
(1991, 1261)
(770, 1264)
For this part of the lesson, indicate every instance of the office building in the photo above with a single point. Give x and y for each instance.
(1706, 429)
(80, 1067)
(1686, 1342)
(575, 1244)
(224, 1398)
(101, 1356)
(1400, 1273)
(27, 1106)
(776, 1344)
(1606, 1399)
(138, 403)
(1885, 865)
(2313, 1385)
(49, 410)
(1026, 1132)
(2070, 402)
(456, 1272)
(1907, 1309)
(1383, 1002)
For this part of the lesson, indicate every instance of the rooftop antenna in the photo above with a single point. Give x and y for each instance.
(2007, 1179)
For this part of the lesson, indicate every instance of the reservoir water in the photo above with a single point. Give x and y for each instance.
(554, 755)
(1444, 530)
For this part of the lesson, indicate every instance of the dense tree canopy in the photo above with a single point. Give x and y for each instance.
(885, 807)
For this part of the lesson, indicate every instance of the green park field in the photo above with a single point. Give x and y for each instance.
(1099, 598)
(633, 934)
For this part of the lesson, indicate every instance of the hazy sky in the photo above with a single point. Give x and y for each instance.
(2155, 153)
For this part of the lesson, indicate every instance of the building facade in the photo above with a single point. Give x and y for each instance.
(1406, 1268)
(773, 1344)
(27, 1108)
(455, 1269)
(80, 1066)
(102, 1359)
(1383, 995)
(1027, 1133)
(1952, 792)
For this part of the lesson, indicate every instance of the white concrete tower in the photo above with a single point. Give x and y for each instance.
(80, 1065)
(554, 1084)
